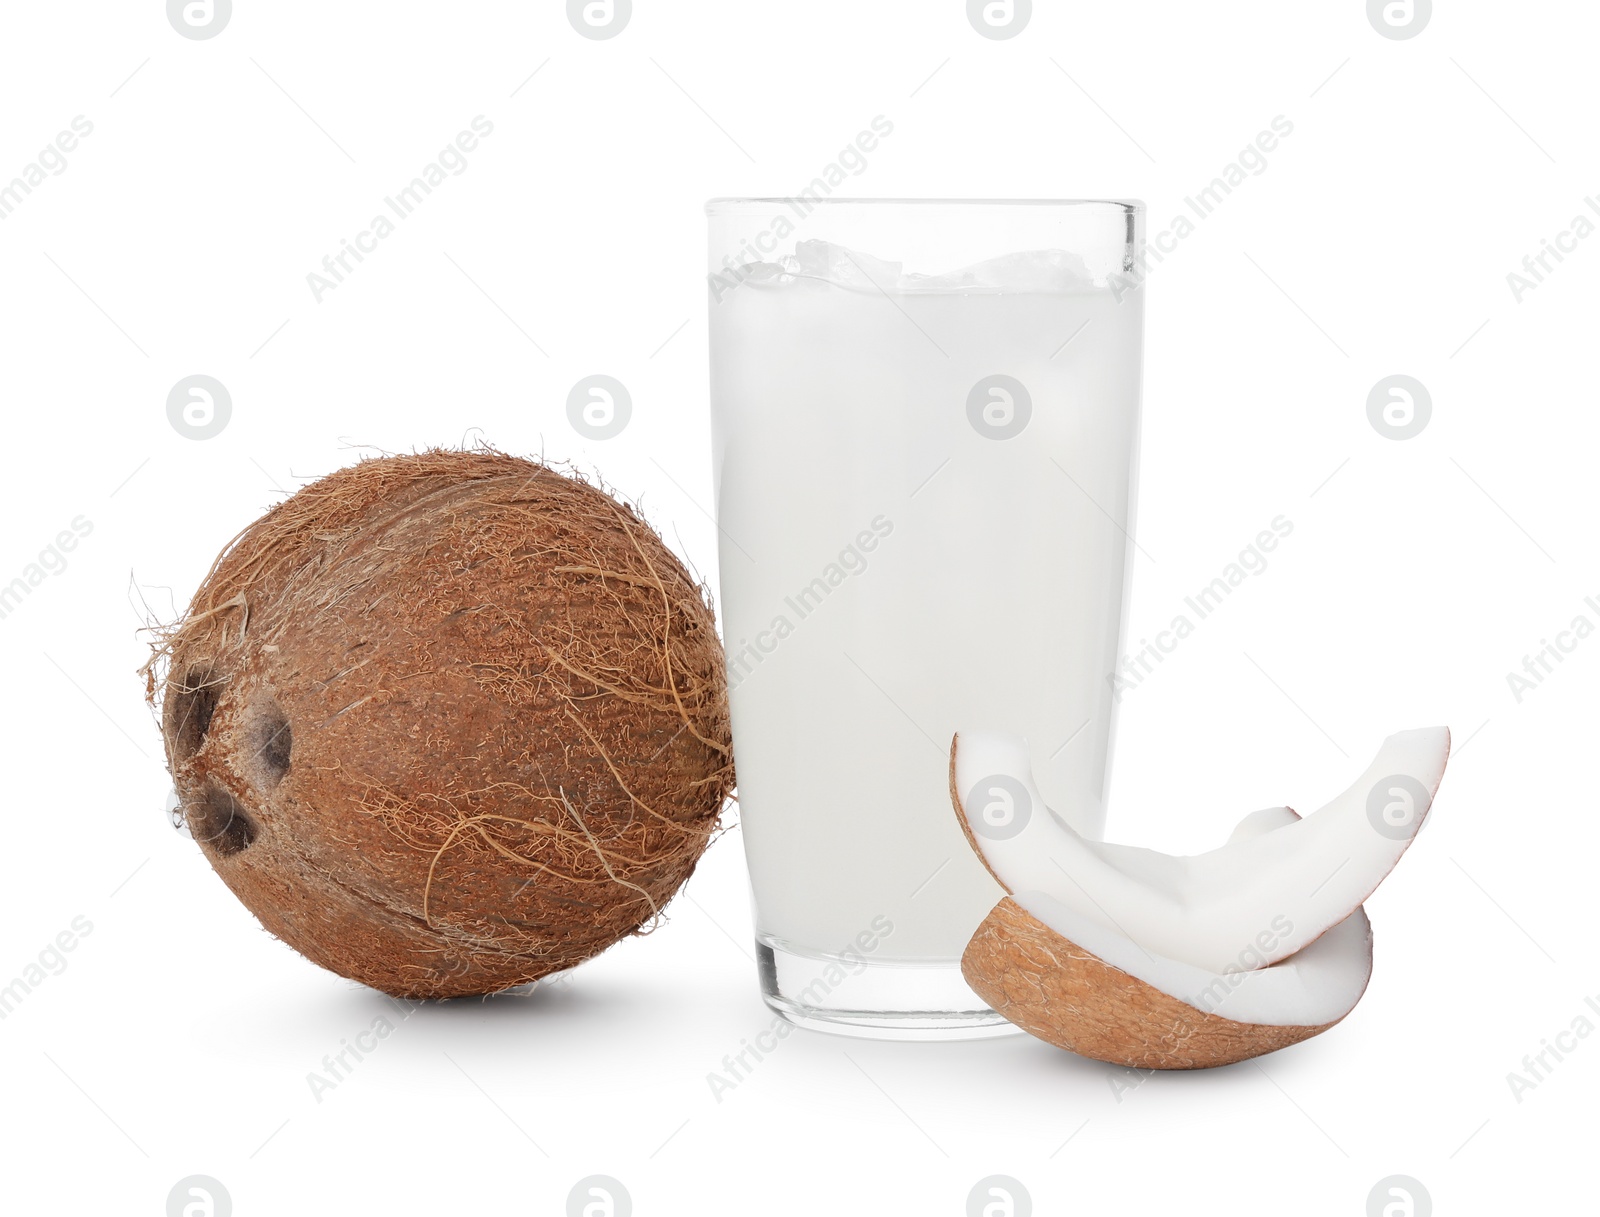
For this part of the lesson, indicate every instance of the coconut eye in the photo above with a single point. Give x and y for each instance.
(271, 741)
(190, 710)
(219, 820)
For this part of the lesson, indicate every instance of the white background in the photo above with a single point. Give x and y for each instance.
(179, 1036)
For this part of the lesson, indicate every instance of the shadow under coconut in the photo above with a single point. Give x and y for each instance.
(1022, 1061)
(549, 1002)
(1312, 1056)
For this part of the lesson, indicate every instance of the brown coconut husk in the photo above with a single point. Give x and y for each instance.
(1067, 996)
(448, 722)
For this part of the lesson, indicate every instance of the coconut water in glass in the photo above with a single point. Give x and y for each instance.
(925, 418)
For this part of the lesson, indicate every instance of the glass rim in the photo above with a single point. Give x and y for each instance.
(723, 204)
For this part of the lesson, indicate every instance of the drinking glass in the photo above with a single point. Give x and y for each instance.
(925, 418)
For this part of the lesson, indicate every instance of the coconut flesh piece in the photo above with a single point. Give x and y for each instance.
(1314, 987)
(1260, 898)
(1079, 986)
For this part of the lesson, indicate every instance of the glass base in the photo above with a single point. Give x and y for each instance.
(884, 999)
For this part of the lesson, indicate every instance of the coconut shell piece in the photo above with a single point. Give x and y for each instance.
(1065, 995)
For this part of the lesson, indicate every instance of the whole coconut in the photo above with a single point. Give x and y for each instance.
(449, 722)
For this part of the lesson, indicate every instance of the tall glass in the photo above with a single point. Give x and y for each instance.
(925, 418)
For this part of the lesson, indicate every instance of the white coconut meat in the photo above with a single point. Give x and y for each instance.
(1313, 987)
(1260, 898)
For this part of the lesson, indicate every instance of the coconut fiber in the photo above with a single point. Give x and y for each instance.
(448, 722)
